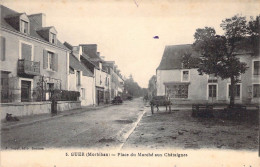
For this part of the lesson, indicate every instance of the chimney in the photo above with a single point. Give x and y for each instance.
(40, 18)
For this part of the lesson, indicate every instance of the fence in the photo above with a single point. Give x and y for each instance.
(37, 95)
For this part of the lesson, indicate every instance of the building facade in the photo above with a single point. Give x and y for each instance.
(33, 60)
(92, 59)
(184, 85)
(80, 78)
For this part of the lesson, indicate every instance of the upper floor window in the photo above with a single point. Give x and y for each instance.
(24, 27)
(50, 60)
(256, 68)
(212, 78)
(52, 38)
(26, 51)
(185, 75)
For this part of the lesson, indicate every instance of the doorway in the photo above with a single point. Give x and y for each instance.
(25, 91)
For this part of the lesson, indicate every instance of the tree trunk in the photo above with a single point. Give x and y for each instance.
(232, 91)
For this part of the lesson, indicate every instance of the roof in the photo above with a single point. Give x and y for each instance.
(172, 56)
(76, 64)
(34, 25)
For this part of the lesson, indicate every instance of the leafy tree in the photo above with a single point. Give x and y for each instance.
(218, 53)
(189, 62)
(152, 91)
(132, 88)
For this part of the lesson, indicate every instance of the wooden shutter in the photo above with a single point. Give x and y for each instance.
(56, 64)
(45, 59)
(2, 48)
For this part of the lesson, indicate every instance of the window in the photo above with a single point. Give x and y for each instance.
(106, 81)
(256, 90)
(256, 68)
(212, 90)
(185, 76)
(24, 27)
(2, 48)
(212, 78)
(52, 38)
(78, 78)
(26, 51)
(83, 93)
(50, 60)
(237, 91)
(177, 91)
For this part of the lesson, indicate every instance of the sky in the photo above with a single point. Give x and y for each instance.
(124, 29)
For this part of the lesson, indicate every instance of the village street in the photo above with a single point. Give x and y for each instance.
(103, 128)
(131, 125)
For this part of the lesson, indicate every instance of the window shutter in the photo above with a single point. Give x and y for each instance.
(45, 59)
(2, 48)
(56, 65)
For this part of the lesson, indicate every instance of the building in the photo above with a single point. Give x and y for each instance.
(80, 77)
(92, 59)
(117, 83)
(33, 60)
(185, 85)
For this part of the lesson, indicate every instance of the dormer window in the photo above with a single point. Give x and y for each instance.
(24, 27)
(52, 38)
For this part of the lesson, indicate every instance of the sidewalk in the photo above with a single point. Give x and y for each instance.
(28, 120)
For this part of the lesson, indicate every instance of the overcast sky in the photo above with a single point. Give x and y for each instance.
(124, 29)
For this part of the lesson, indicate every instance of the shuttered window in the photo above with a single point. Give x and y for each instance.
(26, 51)
(2, 48)
(50, 60)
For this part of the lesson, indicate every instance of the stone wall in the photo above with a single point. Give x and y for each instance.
(33, 108)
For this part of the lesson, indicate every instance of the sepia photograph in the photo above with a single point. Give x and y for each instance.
(129, 83)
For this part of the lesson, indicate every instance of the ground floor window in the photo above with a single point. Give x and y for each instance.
(83, 93)
(256, 90)
(177, 91)
(237, 91)
(212, 91)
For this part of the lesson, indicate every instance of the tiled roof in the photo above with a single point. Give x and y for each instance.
(76, 64)
(172, 56)
(34, 25)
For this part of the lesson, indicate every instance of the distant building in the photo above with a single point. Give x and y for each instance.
(116, 80)
(91, 58)
(184, 85)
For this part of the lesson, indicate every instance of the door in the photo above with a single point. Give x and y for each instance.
(25, 91)
(212, 96)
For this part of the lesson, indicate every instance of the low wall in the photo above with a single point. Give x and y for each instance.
(68, 105)
(25, 108)
(20, 109)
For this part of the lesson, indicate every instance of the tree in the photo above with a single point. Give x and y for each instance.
(152, 91)
(132, 88)
(218, 53)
